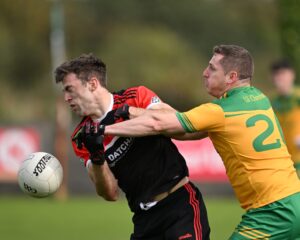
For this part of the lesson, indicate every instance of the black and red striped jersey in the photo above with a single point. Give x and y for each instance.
(143, 166)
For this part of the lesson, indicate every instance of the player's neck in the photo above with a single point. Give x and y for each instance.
(236, 84)
(103, 104)
(240, 83)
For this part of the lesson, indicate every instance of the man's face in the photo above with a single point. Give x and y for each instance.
(215, 77)
(283, 80)
(77, 95)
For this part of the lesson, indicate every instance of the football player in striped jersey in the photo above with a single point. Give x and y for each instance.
(150, 170)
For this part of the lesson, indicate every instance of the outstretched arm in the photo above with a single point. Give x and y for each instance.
(152, 122)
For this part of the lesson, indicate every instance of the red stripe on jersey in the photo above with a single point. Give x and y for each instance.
(195, 204)
(124, 97)
(130, 94)
(128, 91)
(122, 100)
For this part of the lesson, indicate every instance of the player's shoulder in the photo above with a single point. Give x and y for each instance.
(243, 99)
(131, 90)
(213, 106)
(123, 96)
(130, 93)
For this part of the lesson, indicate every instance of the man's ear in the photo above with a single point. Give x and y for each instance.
(232, 77)
(93, 83)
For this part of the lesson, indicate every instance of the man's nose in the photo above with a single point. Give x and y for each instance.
(67, 97)
(205, 73)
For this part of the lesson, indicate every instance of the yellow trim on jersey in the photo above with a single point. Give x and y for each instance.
(253, 234)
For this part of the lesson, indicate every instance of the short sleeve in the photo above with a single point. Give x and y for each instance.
(147, 98)
(208, 117)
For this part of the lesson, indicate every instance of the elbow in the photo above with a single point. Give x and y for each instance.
(111, 197)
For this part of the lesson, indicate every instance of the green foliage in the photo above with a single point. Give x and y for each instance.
(91, 218)
(24, 42)
(162, 44)
(154, 57)
(290, 31)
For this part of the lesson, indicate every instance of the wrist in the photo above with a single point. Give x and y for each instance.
(97, 159)
(98, 163)
(101, 129)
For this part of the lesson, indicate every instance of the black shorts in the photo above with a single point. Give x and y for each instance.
(180, 216)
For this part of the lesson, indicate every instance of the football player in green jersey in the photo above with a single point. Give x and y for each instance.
(287, 106)
(246, 133)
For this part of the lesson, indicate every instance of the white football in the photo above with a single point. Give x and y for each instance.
(40, 175)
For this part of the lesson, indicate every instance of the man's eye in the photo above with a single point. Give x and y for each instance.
(68, 89)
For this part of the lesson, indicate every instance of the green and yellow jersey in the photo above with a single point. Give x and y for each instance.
(247, 135)
(287, 109)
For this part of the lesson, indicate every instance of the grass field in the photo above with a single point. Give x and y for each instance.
(90, 218)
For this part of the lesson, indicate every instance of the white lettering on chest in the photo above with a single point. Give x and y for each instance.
(119, 152)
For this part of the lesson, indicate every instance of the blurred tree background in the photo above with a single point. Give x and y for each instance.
(164, 45)
(289, 22)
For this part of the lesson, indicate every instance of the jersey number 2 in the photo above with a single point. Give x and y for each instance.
(258, 142)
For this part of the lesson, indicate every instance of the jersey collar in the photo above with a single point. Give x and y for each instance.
(233, 91)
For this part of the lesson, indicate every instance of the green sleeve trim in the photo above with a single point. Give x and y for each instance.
(185, 122)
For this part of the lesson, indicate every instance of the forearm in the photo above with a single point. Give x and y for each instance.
(157, 121)
(152, 122)
(105, 183)
(136, 112)
(136, 127)
(190, 136)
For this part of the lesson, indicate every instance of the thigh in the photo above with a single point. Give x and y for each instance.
(148, 225)
(192, 222)
(182, 215)
(276, 221)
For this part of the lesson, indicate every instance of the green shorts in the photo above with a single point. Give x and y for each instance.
(276, 221)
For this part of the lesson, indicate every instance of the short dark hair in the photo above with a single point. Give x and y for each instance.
(236, 58)
(84, 66)
(281, 64)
